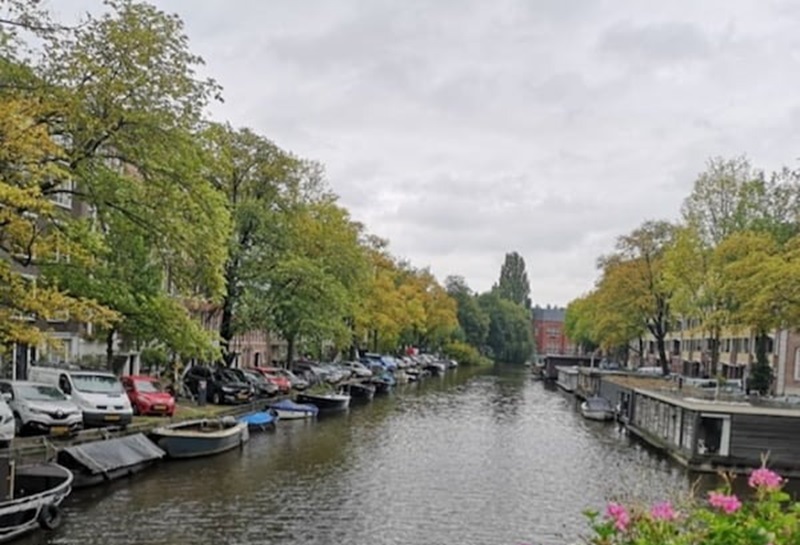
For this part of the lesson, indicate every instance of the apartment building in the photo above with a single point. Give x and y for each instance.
(549, 333)
(689, 351)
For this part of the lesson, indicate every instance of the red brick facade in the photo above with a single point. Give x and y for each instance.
(548, 332)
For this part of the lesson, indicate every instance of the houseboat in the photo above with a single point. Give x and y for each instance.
(707, 435)
(567, 378)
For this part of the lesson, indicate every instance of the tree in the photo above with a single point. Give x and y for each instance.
(720, 202)
(634, 277)
(513, 284)
(472, 319)
(32, 228)
(260, 184)
(510, 337)
(125, 102)
(693, 276)
(309, 291)
(579, 322)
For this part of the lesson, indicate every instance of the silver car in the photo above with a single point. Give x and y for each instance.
(41, 408)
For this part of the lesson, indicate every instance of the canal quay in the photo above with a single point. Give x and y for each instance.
(473, 457)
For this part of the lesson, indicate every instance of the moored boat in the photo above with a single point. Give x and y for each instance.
(102, 461)
(35, 499)
(358, 391)
(260, 420)
(201, 437)
(435, 368)
(326, 402)
(289, 410)
(597, 408)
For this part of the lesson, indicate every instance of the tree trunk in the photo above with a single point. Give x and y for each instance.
(110, 350)
(714, 346)
(662, 355)
(226, 331)
(641, 351)
(289, 351)
(761, 372)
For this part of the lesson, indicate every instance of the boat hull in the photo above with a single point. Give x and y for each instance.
(184, 443)
(600, 415)
(325, 403)
(46, 486)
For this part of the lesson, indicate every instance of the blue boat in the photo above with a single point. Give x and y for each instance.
(260, 421)
(289, 410)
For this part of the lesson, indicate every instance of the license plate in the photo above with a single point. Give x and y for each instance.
(159, 407)
(242, 396)
(59, 430)
(111, 417)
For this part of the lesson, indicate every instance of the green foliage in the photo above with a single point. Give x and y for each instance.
(510, 337)
(513, 284)
(465, 354)
(472, 319)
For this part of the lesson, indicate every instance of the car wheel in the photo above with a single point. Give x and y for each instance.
(17, 425)
(216, 399)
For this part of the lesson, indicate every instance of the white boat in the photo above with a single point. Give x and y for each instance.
(597, 408)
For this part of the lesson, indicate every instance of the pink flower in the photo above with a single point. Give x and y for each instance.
(619, 515)
(663, 511)
(729, 504)
(765, 478)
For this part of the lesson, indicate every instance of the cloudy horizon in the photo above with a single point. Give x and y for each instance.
(464, 130)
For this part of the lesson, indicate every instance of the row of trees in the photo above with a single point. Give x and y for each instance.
(731, 263)
(123, 205)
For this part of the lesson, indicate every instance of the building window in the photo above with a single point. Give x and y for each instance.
(797, 364)
(63, 195)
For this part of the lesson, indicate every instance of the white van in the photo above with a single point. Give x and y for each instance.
(98, 394)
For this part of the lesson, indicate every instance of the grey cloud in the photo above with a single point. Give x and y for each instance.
(656, 42)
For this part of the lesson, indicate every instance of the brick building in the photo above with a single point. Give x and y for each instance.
(548, 331)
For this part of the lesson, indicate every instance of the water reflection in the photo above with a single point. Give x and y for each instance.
(471, 457)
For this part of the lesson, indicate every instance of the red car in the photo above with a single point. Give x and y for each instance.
(271, 374)
(147, 396)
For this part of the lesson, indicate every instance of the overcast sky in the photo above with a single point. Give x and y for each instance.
(462, 130)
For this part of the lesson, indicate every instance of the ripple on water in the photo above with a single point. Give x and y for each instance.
(481, 459)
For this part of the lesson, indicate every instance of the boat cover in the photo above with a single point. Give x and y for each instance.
(289, 405)
(108, 455)
(258, 419)
(598, 404)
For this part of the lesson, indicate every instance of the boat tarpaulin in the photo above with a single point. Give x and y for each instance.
(111, 454)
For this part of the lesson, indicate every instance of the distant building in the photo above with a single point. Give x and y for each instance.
(548, 331)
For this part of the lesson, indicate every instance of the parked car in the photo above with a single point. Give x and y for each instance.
(147, 396)
(272, 374)
(99, 394)
(261, 386)
(7, 424)
(297, 382)
(41, 408)
(356, 369)
(222, 385)
(310, 371)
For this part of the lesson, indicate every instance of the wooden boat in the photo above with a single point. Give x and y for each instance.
(326, 402)
(38, 491)
(597, 408)
(260, 420)
(98, 462)
(289, 410)
(201, 437)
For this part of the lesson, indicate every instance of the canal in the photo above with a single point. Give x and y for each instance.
(470, 458)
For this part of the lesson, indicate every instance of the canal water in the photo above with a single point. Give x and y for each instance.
(486, 458)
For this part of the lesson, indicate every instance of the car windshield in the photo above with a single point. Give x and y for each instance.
(36, 392)
(148, 386)
(229, 375)
(96, 384)
(254, 377)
